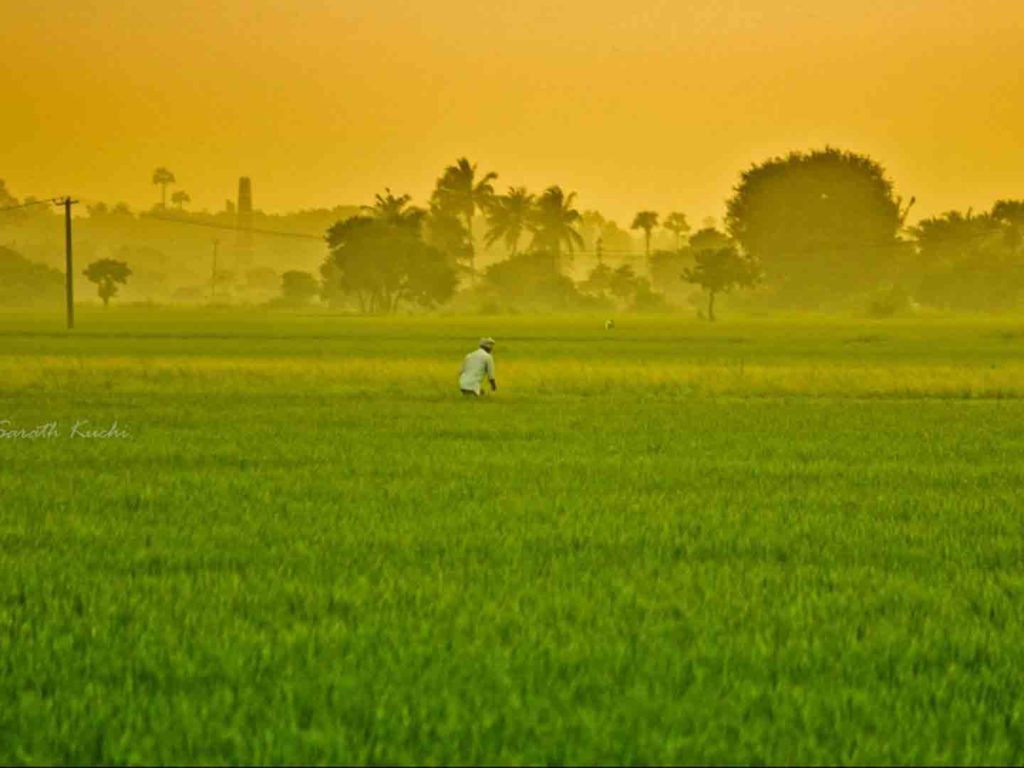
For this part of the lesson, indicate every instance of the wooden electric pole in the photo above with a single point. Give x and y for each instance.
(69, 286)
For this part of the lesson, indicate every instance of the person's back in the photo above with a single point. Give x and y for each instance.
(476, 366)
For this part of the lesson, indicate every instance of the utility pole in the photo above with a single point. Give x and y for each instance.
(213, 274)
(69, 286)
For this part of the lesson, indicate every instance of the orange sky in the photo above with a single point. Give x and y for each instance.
(644, 104)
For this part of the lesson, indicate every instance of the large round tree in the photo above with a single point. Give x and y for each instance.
(820, 223)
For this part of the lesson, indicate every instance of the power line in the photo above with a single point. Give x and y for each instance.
(899, 244)
(51, 201)
(213, 225)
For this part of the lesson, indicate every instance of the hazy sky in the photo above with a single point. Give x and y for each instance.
(643, 104)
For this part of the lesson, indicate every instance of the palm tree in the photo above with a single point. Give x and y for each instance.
(163, 177)
(677, 224)
(646, 220)
(180, 197)
(509, 217)
(459, 191)
(553, 220)
(393, 209)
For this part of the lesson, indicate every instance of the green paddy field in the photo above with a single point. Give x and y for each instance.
(758, 541)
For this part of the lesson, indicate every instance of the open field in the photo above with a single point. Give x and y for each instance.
(785, 540)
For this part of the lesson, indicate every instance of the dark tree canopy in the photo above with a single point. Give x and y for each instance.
(383, 261)
(709, 239)
(647, 221)
(677, 224)
(970, 262)
(531, 280)
(721, 270)
(555, 222)
(460, 192)
(26, 283)
(509, 218)
(298, 287)
(821, 223)
(107, 273)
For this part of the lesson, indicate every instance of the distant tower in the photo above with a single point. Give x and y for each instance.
(243, 215)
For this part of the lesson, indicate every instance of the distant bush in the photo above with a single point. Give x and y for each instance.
(533, 281)
(890, 302)
(299, 287)
(25, 283)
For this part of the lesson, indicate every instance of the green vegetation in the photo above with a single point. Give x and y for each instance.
(107, 273)
(824, 229)
(758, 541)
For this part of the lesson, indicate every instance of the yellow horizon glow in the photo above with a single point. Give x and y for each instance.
(646, 105)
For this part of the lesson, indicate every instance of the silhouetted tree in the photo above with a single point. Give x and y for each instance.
(555, 223)
(595, 228)
(6, 198)
(677, 224)
(821, 222)
(180, 197)
(598, 282)
(459, 191)
(262, 279)
(107, 273)
(665, 267)
(647, 221)
(394, 209)
(24, 282)
(298, 287)
(509, 217)
(1011, 214)
(162, 177)
(721, 270)
(531, 280)
(383, 260)
(445, 231)
(968, 261)
(709, 239)
(623, 282)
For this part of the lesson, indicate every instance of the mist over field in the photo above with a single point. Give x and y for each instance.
(819, 230)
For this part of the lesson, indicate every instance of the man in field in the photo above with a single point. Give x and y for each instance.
(477, 366)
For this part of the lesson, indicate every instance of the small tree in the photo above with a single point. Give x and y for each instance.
(107, 273)
(677, 224)
(709, 239)
(531, 280)
(181, 197)
(298, 287)
(382, 260)
(719, 271)
(599, 281)
(647, 221)
(162, 177)
(623, 283)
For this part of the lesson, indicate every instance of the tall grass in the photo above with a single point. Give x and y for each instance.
(758, 542)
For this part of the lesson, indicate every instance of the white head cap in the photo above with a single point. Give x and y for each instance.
(487, 343)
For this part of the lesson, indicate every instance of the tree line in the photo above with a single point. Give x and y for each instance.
(816, 230)
(811, 230)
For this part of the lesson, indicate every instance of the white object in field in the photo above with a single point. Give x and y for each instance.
(476, 366)
(609, 324)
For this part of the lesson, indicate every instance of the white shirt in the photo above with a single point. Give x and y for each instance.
(475, 367)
